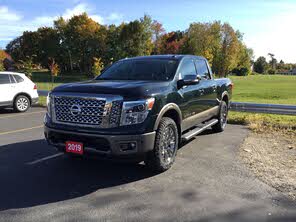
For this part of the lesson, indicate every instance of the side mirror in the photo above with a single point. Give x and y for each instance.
(189, 80)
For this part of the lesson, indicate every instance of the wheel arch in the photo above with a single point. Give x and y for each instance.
(225, 98)
(22, 94)
(172, 111)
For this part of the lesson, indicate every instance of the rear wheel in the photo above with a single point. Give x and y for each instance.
(222, 118)
(21, 103)
(166, 145)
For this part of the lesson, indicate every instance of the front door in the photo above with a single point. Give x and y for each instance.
(191, 96)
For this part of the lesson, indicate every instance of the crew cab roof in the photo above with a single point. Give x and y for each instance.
(170, 56)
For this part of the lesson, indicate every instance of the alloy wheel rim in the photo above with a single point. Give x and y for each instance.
(168, 145)
(22, 104)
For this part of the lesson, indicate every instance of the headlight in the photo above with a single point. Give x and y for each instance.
(135, 112)
(48, 105)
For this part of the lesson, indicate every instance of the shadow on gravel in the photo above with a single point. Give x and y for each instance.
(57, 179)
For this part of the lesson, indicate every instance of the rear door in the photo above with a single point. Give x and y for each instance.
(6, 94)
(209, 98)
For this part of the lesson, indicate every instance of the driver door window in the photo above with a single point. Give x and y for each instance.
(187, 68)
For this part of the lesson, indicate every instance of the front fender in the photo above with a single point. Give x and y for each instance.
(167, 107)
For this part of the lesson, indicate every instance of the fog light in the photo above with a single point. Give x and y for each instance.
(128, 146)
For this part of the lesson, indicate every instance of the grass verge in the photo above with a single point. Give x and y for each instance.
(261, 122)
(42, 101)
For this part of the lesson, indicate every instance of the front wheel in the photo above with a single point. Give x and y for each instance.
(166, 145)
(222, 118)
(21, 103)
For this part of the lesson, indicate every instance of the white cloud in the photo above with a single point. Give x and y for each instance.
(115, 17)
(77, 10)
(97, 18)
(7, 15)
(6, 39)
(69, 13)
(44, 20)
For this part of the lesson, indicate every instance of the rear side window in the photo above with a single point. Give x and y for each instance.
(18, 78)
(202, 69)
(187, 68)
(4, 79)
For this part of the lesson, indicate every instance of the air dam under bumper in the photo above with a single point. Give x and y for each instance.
(109, 145)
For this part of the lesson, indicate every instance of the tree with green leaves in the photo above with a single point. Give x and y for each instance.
(260, 65)
(76, 41)
(28, 66)
(135, 38)
(82, 39)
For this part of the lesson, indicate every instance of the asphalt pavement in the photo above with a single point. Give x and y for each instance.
(208, 182)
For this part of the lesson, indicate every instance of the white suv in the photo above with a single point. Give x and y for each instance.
(17, 91)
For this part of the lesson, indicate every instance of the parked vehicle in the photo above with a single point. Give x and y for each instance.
(138, 109)
(17, 91)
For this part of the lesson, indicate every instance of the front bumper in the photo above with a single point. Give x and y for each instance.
(107, 145)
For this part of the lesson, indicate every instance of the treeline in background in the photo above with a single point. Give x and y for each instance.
(81, 45)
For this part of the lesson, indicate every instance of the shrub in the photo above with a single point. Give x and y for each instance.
(97, 67)
(241, 72)
(1, 66)
(271, 71)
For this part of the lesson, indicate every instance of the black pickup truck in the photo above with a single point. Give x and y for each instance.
(138, 109)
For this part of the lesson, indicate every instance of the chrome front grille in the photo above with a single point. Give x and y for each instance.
(87, 111)
(93, 110)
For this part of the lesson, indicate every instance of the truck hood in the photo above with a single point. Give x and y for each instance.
(125, 88)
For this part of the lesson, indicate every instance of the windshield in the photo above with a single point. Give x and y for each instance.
(152, 69)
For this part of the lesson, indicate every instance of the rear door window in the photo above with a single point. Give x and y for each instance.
(202, 69)
(18, 79)
(4, 79)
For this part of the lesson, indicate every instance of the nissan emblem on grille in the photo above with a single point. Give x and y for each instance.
(75, 110)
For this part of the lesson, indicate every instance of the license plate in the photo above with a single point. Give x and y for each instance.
(74, 147)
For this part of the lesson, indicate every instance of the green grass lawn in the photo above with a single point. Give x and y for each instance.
(43, 79)
(275, 89)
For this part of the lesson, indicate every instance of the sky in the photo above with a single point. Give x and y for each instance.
(268, 25)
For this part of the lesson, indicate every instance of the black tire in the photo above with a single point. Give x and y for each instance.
(21, 103)
(165, 148)
(222, 118)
